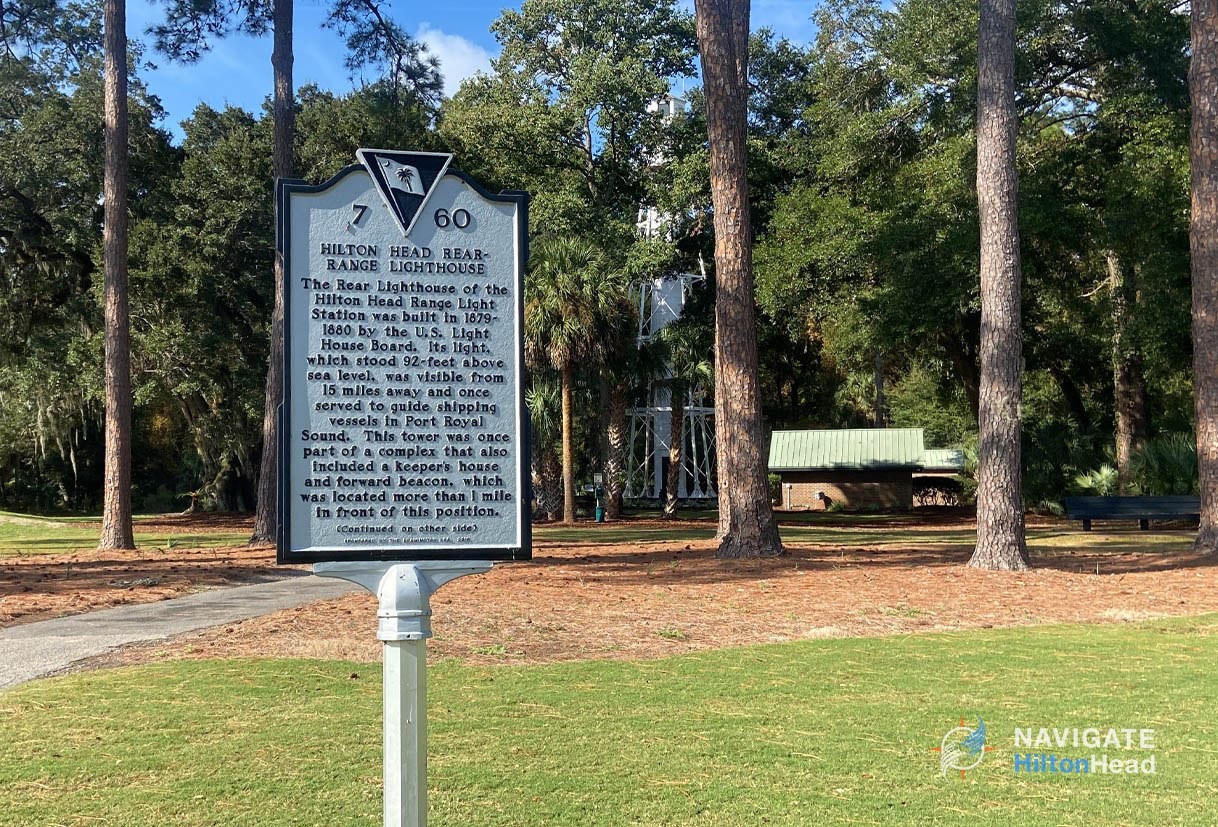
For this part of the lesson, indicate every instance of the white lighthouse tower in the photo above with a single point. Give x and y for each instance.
(660, 301)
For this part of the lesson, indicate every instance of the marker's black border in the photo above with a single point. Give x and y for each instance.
(284, 188)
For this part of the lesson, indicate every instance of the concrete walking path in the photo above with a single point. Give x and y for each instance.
(35, 650)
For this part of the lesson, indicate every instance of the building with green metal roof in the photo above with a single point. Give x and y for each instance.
(938, 461)
(859, 468)
(846, 449)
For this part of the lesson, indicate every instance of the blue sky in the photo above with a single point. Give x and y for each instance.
(238, 69)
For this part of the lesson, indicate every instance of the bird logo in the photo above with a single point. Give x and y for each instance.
(962, 748)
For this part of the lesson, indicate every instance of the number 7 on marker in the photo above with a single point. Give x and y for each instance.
(360, 209)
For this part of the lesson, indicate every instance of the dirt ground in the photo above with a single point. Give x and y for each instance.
(614, 600)
(43, 586)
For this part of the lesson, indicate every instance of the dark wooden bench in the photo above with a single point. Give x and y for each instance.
(1142, 509)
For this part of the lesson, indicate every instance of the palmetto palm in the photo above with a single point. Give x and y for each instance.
(544, 401)
(572, 302)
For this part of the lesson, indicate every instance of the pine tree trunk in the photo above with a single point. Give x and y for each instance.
(615, 466)
(1000, 526)
(746, 517)
(281, 162)
(1128, 380)
(1203, 235)
(676, 444)
(568, 447)
(881, 403)
(116, 530)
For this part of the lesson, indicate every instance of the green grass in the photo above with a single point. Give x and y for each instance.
(822, 732)
(39, 535)
(612, 533)
(55, 536)
(71, 518)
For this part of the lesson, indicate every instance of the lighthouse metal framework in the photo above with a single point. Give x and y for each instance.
(660, 301)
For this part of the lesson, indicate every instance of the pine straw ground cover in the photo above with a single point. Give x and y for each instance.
(817, 732)
(51, 567)
(628, 591)
(638, 588)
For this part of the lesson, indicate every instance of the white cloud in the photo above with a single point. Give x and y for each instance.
(459, 58)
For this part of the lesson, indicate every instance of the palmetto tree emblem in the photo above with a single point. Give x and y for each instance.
(404, 180)
(402, 177)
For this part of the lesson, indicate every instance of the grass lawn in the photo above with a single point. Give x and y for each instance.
(824, 732)
(23, 534)
(54, 535)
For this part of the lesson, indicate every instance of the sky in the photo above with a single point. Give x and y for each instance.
(237, 70)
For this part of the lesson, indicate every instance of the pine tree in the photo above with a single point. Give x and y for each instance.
(746, 517)
(1203, 235)
(1000, 527)
(116, 530)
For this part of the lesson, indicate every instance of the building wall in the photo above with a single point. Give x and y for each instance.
(852, 489)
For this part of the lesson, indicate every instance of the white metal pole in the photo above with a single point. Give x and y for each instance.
(403, 591)
(405, 716)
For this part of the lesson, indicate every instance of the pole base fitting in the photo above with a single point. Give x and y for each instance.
(403, 590)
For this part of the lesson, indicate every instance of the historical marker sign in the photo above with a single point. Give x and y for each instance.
(402, 431)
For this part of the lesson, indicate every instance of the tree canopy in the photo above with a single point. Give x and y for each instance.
(862, 196)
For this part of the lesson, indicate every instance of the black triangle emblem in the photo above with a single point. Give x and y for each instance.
(405, 180)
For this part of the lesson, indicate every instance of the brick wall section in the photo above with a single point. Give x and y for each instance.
(853, 489)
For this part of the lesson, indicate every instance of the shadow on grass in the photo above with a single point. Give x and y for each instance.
(668, 567)
(614, 536)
